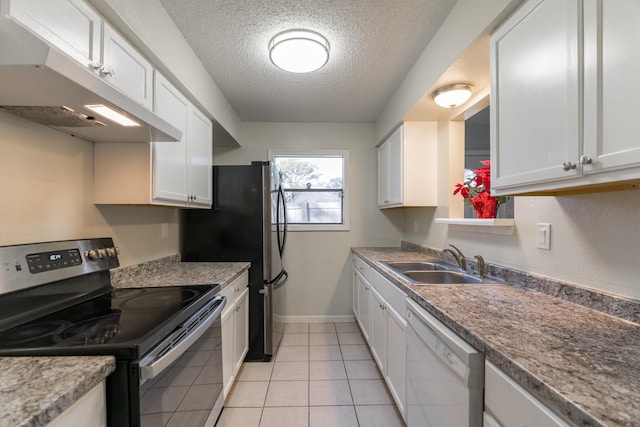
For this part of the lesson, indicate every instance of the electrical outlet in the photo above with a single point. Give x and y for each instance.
(415, 226)
(165, 230)
(543, 236)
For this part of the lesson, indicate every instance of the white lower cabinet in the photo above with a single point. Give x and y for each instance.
(235, 329)
(506, 403)
(88, 411)
(381, 315)
(361, 292)
(396, 373)
(378, 334)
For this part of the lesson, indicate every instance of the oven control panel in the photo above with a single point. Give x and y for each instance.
(47, 261)
(24, 266)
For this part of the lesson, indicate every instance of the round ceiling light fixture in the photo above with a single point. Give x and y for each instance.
(453, 95)
(299, 51)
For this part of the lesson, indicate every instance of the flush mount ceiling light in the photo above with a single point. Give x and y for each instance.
(299, 51)
(453, 95)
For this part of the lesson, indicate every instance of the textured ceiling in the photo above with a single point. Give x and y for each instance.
(374, 43)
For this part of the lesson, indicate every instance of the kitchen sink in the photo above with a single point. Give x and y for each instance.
(402, 266)
(434, 273)
(440, 277)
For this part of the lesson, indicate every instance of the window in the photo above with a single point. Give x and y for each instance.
(315, 188)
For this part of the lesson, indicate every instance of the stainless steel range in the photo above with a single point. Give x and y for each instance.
(56, 299)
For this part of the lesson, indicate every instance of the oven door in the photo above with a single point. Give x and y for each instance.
(181, 378)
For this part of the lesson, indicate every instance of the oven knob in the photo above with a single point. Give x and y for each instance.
(92, 254)
(102, 253)
(111, 252)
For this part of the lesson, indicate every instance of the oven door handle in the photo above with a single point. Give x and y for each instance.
(176, 344)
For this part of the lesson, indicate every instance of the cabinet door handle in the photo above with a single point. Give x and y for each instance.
(567, 166)
(584, 160)
(107, 71)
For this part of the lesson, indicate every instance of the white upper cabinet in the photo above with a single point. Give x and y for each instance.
(551, 131)
(407, 166)
(612, 67)
(125, 68)
(170, 159)
(77, 30)
(535, 111)
(182, 170)
(160, 173)
(70, 25)
(200, 158)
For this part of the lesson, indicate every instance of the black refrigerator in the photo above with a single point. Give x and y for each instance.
(238, 227)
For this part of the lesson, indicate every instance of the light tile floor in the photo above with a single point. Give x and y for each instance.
(322, 375)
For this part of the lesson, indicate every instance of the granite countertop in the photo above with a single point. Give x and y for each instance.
(582, 363)
(35, 390)
(169, 271)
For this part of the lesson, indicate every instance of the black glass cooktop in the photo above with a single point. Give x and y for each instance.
(123, 322)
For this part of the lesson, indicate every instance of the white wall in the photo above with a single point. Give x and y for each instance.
(47, 194)
(318, 262)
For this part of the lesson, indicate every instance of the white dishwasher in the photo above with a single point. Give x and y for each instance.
(445, 374)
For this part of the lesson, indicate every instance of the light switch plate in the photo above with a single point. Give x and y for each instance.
(543, 236)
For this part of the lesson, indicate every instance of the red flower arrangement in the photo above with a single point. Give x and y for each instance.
(476, 190)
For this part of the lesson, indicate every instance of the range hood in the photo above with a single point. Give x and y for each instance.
(42, 84)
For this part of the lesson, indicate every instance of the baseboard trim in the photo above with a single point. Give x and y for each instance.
(314, 319)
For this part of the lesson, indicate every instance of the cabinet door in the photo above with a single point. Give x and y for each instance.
(612, 65)
(354, 292)
(390, 172)
(70, 25)
(125, 68)
(396, 167)
(200, 160)
(396, 375)
(170, 174)
(241, 329)
(364, 289)
(384, 152)
(228, 347)
(378, 334)
(535, 114)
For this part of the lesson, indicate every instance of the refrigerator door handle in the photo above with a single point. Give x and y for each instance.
(281, 234)
(281, 280)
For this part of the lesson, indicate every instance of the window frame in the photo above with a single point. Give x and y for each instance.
(346, 199)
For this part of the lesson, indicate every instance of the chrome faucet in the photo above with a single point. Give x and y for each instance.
(480, 265)
(459, 256)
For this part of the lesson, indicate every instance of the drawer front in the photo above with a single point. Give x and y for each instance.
(511, 405)
(362, 267)
(390, 292)
(234, 289)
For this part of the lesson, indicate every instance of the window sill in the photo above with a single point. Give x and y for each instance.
(502, 226)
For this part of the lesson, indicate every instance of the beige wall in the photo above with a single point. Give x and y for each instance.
(318, 263)
(47, 194)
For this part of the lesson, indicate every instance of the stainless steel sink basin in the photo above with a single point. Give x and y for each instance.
(434, 273)
(402, 266)
(440, 277)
